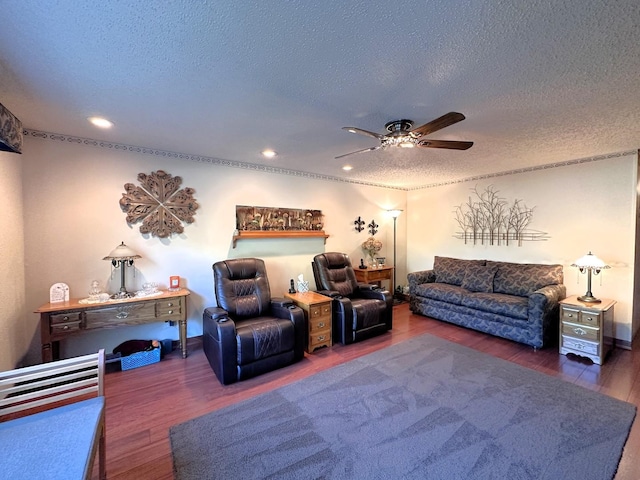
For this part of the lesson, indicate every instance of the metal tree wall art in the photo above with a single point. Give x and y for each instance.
(159, 203)
(488, 218)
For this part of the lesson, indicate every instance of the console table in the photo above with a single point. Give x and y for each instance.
(62, 320)
(374, 275)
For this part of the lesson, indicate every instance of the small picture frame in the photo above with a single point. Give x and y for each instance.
(59, 292)
(174, 282)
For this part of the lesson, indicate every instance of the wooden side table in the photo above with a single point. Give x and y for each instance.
(59, 321)
(374, 275)
(586, 329)
(317, 309)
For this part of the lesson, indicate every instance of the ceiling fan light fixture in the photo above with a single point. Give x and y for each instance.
(347, 168)
(268, 153)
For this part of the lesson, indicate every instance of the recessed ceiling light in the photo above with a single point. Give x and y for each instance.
(100, 122)
(346, 168)
(268, 153)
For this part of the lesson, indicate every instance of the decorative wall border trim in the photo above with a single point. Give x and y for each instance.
(547, 166)
(197, 158)
(297, 173)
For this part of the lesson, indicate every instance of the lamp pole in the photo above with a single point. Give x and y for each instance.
(394, 214)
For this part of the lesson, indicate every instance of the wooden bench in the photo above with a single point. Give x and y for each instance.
(53, 419)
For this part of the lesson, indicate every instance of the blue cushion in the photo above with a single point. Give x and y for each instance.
(452, 270)
(441, 291)
(58, 441)
(497, 303)
(522, 279)
(479, 278)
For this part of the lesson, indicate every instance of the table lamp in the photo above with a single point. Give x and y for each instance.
(120, 257)
(591, 264)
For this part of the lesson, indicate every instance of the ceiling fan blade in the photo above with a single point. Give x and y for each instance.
(439, 123)
(370, 149)
(363, 132)
(450, 144)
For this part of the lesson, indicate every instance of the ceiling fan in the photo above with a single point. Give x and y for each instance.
(401, 135)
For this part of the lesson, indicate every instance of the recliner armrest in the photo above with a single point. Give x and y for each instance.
(280, 302)
(377, 293)
(368, 286)
(329, 293)
(216, 313)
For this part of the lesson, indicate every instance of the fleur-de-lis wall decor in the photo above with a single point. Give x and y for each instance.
(359, 224)
(373, 227)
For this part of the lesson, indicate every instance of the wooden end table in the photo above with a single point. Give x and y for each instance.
(586, 329)
(374, 275)
(317, 309)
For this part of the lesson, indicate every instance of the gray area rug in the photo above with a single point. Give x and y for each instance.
(425, 408)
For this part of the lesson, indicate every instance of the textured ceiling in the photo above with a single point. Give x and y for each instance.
(539, 82)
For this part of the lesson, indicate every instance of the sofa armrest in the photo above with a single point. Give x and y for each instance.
(543, 310)
(418, 278)
(552, 293)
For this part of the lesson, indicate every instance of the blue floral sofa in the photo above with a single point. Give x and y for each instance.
(512, 300)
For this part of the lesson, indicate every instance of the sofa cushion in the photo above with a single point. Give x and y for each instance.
(452, 270)
(479, 278)
(441, 291)
(500, 304)
(523, 279)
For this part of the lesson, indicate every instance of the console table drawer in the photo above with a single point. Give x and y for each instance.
(66, 317)
(319, 338)
(320, 324)
(168, 308)
(125, 313)
(580, 331)
(584, 317)
(62, 329)
(580, 346)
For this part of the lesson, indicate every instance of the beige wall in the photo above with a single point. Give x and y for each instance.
(71, 194)
(13, 318)
(583, 207)
(75, 220)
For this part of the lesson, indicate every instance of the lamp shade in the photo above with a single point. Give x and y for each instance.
(122, 252)
(590, 261)
(394, 213)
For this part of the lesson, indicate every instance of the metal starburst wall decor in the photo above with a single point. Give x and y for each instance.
(159, 203)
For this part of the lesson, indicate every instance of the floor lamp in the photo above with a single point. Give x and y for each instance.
(394, 214)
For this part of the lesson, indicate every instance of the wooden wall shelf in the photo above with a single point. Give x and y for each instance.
(258, 234)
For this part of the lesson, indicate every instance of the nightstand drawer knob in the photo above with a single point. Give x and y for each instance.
(321, 338)
(570, 315)
(579, 331)
(170, 312)
(66, 327)
(321, 324)
(170, 304)
(65, 318)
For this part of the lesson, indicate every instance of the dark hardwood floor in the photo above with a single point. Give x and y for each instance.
(143, 403)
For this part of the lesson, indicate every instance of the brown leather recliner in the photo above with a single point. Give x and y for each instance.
(359, 310)
(249, 333)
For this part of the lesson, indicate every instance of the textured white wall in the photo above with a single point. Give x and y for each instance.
(13, 319)
(583, 207)
(75, 220)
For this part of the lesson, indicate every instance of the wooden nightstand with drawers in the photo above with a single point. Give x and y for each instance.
(317, 309)
(586, 329)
